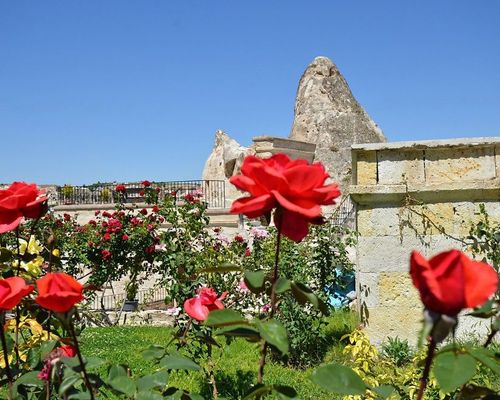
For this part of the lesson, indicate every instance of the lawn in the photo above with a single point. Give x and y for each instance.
(236, 365)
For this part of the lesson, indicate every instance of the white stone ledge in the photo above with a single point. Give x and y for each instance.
(426, 144)
(454, 191)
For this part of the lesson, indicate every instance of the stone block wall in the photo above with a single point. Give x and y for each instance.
(415, 195)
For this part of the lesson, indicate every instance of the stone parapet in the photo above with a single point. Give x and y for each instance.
(421, 196)
(266, 146)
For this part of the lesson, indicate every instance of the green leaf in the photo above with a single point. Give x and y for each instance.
(285, 392)
(116, 371)
(339, 379)
(258, 391)
(303, 295)
(225, 317)
(149, 396)
(255, 281)
(194, 396)
(72, 362)
(385, 391)
(274, 333)
(453, 370)
(123, 384)
(485, 311)
(176, 361)
(47, 347)
(153, 352)
(5, 254)
(246, 331)
(156, 380)
(68, 383)
(222, 269)
(77, 395)
(282, 285)
(93, 362)
(30, 379)
(486, 357)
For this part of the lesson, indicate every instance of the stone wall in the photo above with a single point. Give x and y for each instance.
(415, 195)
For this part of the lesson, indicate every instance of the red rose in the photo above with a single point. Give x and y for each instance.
(150, 249)
(155, 209)
(106, 236)
(158, 189)
(125, 237)
(20, 200)
(12, 290)
(120, 188)
(68, 350)
(92, 222)
(198, 307)
(248, 252)
(143, 211)
(67, 217)
(295, 187)
(106, 214)
(58, 292)
(146, 183)
(141, 193)
(106, 254)
(450, 281)
(239, 238)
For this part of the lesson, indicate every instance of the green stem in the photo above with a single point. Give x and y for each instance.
(274, 279)
(8, 372)
(427, 369)
(80, 359)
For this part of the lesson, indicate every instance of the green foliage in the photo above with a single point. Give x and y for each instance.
(485, 239)
(398, 350)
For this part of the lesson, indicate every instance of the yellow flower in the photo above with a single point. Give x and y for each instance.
(33, 246)
(56, 253)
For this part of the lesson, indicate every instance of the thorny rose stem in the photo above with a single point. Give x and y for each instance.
(274, 278)
(80, 359)
(427, 368)
(8, 372)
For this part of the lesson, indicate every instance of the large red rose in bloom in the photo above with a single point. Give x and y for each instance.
(207, 300)
(20, 200)
(12, 290)
(450, 281)
(295, 187)
(58, 292)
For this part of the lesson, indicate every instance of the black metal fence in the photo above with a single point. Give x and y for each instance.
(344, 214)
(213, 192)
(115, 301)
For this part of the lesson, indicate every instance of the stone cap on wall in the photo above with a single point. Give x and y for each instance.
(425, 144)
(265, 146)
(441, 169)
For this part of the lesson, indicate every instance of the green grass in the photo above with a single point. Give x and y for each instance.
(236, 365)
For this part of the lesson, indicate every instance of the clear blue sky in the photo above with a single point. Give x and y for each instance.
(128, 90)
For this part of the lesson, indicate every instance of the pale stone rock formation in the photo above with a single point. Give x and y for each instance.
(225, 161)
(327, 114)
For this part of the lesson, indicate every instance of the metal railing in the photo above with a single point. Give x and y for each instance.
(344, 214)
(213, 192)
(115, 301)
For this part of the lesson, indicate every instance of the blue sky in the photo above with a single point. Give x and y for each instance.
(128, 90)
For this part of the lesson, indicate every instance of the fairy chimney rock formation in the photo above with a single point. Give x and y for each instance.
(225, 161)
(327, 114)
